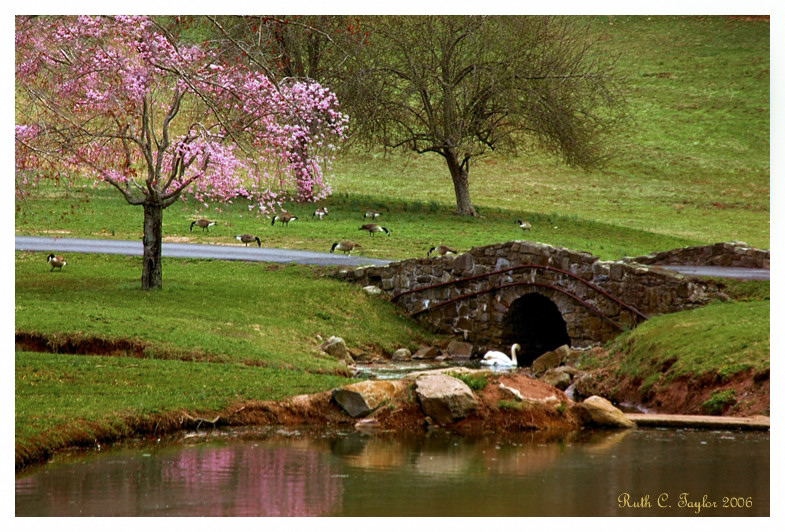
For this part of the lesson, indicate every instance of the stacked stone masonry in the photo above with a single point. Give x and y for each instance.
(597, 299)
(729, 254)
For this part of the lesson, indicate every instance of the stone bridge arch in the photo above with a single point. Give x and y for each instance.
(518, 291)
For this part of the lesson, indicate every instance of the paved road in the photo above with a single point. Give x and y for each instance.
(197, 251)
(721, 271)
(224, 252)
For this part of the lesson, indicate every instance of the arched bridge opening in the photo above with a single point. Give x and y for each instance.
(535, 323)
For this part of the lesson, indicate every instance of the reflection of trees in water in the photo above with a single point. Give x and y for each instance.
(241, 479)
(269, 481)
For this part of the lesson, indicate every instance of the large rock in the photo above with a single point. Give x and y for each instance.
(362, 398)
(598, 411)
(426, 353)
(458, 349)
(402, 355)
(445, 399)
(558, 378)
(373, 290)
(336, 348)
(551, 359)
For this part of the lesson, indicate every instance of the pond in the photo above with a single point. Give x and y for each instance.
(277, 471)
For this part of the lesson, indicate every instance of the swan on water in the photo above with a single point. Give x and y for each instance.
(497, 358)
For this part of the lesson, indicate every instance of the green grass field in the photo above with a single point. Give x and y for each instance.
(693, 168)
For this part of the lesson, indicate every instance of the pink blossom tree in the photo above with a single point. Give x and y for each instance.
(117, 100)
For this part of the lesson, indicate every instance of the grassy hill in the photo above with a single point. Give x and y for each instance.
(692, 169)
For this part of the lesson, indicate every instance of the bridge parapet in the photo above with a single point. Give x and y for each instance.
(520, 291)
(730, 254)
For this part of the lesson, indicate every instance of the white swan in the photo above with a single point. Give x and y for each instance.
(497, 358)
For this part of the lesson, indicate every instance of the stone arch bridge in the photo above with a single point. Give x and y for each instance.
(537, 295)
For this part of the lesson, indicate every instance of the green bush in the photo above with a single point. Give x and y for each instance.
(719, 402)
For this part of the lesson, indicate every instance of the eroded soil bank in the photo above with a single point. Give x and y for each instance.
(745, 393)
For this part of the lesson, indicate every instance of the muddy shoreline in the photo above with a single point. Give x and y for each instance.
(539, 413)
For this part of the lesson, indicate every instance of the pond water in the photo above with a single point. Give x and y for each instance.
(285, 472)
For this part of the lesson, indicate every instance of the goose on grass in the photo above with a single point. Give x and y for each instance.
(247, 239)
(204, 224)
(56, 261)
(374, 228)
(346, 246)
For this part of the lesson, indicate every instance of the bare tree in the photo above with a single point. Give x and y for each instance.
(465, 86)
(458, 86)
(295, 47)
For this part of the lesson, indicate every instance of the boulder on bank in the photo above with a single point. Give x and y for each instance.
(426, 353)
(458, 349)
(558, 378)
(402, 355)
(598, 411)
(549, 360)
(336, 348)
(359, 400)
(444, 398)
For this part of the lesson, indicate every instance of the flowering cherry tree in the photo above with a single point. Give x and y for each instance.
(117, 100)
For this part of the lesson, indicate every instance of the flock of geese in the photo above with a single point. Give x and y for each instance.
(346, 246)
(283, 218)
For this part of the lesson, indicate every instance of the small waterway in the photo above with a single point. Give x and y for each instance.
(285, 472)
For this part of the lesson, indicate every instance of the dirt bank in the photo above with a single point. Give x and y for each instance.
(746, 393)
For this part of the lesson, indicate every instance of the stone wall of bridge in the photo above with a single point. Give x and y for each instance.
(729, 254)
(537, 295)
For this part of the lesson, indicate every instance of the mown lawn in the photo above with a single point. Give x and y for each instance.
(223, 311)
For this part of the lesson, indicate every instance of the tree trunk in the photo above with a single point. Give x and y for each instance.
(152, 270)
(460, 180)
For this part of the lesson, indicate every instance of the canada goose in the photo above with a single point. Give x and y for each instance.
(497, 358)
(441, 250)
(346, 246)
(284, 218)
(56, 261)
(371, 214)
(374, 228)
(526, 226)
(204, 224)
(247, 239)
(321, 212)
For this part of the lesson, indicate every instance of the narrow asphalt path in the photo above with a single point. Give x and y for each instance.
(746, 274)
(256, 254)
(195, 251)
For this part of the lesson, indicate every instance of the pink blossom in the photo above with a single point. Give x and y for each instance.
(105, 84)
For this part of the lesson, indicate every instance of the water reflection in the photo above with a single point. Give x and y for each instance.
(204, 480)
(252, 473)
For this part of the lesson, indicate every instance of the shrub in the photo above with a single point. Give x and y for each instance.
(719, 402)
